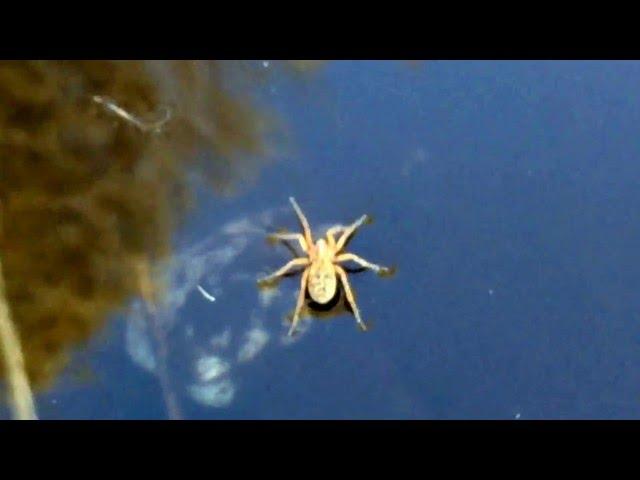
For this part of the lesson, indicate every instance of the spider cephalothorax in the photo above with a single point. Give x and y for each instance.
(322, 269)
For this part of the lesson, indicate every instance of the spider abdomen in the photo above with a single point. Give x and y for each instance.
(322, 282)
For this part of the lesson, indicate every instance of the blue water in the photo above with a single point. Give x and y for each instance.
(506, 193)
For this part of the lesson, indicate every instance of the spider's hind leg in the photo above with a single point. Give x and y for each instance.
(299, 303)
(350, 297)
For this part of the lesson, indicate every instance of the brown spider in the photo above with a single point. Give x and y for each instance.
(321, 265)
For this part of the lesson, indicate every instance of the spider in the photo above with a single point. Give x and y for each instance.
(322, 265)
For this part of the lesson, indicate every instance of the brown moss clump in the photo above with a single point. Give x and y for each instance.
(86, 197)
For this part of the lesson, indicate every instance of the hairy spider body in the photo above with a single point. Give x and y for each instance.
(322, 270)
(322, 283)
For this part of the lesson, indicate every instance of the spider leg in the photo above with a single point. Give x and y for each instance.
(303, 221)
(296, 262)
(300, 302)
(331, 232)
(290, 247)
(350, 298)
(345, 257)
(350, 230)
(290, 236)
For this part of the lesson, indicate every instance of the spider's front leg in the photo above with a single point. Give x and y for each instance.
(285, 236)
(303, 221)
(350, 230)
(296, 262)
(331, 233)
(350, 298)
(380, 270)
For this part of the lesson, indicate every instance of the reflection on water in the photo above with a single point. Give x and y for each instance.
(216, 340)
(100, 159)
(218, 349)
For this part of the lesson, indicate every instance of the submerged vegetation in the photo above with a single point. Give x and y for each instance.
(96, 158)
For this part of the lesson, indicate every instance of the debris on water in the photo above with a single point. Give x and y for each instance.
(206, 295)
